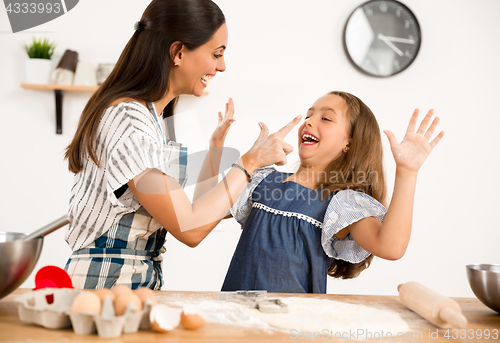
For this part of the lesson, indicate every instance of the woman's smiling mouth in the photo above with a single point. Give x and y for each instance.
(205, 80)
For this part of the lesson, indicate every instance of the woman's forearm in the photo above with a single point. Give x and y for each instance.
(191, 223)
(209, 173)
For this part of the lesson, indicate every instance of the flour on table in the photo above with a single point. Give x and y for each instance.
(227, 313)
(305, 315)
(316, 315)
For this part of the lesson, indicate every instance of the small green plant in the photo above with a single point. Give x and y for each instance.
(40, 48)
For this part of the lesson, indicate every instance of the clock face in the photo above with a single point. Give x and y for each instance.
(382, 37)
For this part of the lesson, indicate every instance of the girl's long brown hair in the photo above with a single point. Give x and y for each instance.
(143, 69)
(360, 168)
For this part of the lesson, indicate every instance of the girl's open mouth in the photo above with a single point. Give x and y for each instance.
(309, 139)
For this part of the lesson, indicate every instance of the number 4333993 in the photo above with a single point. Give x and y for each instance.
(33, 7)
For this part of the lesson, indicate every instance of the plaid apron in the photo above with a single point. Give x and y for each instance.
(130, 252)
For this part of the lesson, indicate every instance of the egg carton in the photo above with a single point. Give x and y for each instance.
(47, 307)
(50, 308)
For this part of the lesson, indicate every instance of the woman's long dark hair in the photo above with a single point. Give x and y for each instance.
(143, 69)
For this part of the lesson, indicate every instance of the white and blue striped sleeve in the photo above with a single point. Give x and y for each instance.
(131, 146)
(347, 207)
(242, 207)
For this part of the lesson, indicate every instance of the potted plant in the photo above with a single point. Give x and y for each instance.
(39, 64)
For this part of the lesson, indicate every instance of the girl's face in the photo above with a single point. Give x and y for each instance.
(323, 135)
(196, 68)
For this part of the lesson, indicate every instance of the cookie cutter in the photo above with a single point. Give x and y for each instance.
(254, 299)
(272, 306)
(245, 298)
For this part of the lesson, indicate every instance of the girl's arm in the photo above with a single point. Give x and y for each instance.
(390, 239)
(165, 200)
(209, 173)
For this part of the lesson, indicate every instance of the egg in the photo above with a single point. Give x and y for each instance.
(164, 318)
(86, 302)
(122, 301)
(192, 318)
(120, 289)
(145, 293)
(103, 292)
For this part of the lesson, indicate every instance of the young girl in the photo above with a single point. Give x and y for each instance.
(328, 217)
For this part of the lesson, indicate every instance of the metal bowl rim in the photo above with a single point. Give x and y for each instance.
(473, 267)
(17, 237)
(10, 233)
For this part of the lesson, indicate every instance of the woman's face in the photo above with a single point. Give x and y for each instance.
(196, 68)
(323, 135)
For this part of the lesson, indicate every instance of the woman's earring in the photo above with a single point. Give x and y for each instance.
(176, 64)
(346, 149)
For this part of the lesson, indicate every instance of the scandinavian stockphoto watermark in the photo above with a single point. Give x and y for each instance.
(216, 163)
(429, 336)
(26, 14)
(358, 334)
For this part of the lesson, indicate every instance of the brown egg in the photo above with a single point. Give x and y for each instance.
(122, 301)
(103, 292)
(164, 318)
(86, 302)
(145, 293)
(120, 289)
(192, 318)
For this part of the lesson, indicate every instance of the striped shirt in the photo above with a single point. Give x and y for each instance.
(130, 140)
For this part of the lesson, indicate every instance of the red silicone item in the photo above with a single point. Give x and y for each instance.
(52, 276)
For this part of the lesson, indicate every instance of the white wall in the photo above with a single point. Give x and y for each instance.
(282, 55)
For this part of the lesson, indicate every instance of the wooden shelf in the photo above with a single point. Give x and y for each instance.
(58, 89)
(53, 87)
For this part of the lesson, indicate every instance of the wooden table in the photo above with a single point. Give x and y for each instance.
(479, 316)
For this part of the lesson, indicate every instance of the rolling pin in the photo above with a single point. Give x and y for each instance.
(436, 308)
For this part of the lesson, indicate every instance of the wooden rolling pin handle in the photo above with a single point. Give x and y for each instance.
(436, 308)
(452, 317)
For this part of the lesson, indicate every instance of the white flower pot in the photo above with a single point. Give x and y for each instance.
(38, 71)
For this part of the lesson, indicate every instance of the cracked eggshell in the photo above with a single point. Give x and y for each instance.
(192, 317)
(164, 318)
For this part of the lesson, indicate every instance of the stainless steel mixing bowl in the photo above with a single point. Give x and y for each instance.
(484, 279)
(17, 260)
(19, 253)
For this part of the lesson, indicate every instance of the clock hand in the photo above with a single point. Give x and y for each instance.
(399, 40)
(392, 46)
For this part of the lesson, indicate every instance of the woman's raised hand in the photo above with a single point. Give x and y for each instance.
(269, 149)
(412, 152)
(219, 135)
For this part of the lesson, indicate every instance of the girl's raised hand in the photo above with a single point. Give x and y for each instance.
(219, 136)
(416, 146)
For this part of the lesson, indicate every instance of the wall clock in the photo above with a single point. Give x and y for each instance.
(382, 37)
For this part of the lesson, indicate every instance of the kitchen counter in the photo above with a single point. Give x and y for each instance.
(479, 316)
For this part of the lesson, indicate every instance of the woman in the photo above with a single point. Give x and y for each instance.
(129, 171)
